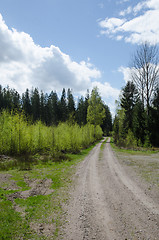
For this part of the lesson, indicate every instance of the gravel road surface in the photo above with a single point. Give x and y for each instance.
(106, 203)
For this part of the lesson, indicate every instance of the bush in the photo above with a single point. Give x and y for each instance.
(131, 141)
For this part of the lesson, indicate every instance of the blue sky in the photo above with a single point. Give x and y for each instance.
(74, 44)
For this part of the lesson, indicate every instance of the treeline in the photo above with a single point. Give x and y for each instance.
(51, 110)
(137, 119)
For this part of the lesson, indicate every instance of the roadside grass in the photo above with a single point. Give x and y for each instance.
(40, 216)
(137, 151)
(145, 162)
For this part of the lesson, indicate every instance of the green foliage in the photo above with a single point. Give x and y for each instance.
(130, 142)
(96, 111)
(50, 110)
(18, 137)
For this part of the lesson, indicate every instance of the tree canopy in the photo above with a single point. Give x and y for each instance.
(96, 111)
(52, 109)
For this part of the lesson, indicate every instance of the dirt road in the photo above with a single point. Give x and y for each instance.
(106, 203)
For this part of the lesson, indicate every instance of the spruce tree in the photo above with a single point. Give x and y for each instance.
(26, 103)
(128, 101)
(63, 107)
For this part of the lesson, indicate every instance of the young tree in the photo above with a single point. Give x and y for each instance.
(96, 111)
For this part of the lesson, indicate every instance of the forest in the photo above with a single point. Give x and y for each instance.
(136, 122)
(44, 122)
(39, 123)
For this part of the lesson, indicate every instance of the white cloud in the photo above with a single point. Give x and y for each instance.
(106, 90)
(111, 24)
(119, 37)
(139, 7)
(135, 29)
(126, 11)
(24, 64)
(154, 4)
(126, 71)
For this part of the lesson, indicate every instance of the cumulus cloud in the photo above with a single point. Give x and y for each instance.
(126, 71)
(136, 24)
(111, 24)
(24, 64)
(106, 90)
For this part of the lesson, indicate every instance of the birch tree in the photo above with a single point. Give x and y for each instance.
(145, 72)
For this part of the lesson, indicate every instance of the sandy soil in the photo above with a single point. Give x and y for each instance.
(107, 202)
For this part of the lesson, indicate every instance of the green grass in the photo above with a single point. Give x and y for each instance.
(141, 151)
(103, 143)
(11, 224)
(38, 209)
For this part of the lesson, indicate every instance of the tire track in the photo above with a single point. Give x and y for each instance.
(106, 204)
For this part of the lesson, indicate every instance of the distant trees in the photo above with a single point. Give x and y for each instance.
(107, 121)
(136, 121)
(52, 110)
